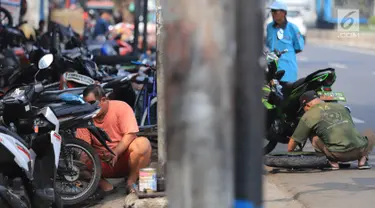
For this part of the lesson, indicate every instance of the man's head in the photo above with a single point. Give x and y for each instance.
(105, 15)
(309, 99)
(278, 10)
(94, 93)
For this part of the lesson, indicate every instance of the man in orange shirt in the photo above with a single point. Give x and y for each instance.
(117, 119)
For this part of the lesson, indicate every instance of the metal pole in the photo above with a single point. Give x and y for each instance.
(198, 62)
(145, 14)
(162, 157)
(137, 13)
(249, 114)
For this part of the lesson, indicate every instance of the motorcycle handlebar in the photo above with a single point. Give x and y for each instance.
(138, 63)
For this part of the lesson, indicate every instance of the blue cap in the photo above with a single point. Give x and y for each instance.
(278, 5)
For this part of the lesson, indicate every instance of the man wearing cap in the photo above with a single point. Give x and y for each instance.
(332, 130)
(282, 35)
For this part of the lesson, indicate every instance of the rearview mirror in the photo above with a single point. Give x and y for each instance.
(279, 74)
(45, 61)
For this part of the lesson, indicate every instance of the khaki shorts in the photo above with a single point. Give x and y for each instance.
(354, 154)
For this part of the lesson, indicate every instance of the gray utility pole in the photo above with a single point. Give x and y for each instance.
(162, 157)
(198, 60)
(249, 110)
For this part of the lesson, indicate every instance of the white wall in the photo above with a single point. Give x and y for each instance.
(33, 12)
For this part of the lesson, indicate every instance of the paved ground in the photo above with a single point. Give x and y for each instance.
(356, 78)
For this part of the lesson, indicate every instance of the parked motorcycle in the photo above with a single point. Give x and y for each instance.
(30, 161)
(71, 112)
(281, 99)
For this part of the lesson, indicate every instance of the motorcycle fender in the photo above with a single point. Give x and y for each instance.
(22, 155)
(56, 143)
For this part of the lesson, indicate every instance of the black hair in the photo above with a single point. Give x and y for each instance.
(97, 90)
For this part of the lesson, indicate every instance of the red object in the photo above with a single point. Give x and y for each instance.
(67, 3)
(24, 151)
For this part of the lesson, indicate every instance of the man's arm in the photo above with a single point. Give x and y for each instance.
(292, 144)
(300, 135)
(123, 145)
(128, 126)
(298, 42)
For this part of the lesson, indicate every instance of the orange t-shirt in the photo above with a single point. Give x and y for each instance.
(119, 121)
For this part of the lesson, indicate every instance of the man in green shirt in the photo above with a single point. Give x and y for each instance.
(333, 133)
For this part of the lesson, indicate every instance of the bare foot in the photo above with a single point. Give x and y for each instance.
(105, 185)
(334, 165)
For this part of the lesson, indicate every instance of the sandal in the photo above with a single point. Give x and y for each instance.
(332, 167)
(364, 166)
(131, 188)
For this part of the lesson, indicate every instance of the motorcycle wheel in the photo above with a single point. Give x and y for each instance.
(271, 145)
(97, 173)
(7, 16)
(295, 160)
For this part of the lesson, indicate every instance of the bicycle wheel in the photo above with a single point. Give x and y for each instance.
(145, 113)
(296, 160)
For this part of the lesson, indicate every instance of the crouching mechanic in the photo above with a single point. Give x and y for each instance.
(332, 130)
(117, 119)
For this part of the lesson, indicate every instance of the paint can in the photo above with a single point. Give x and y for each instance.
(147, 180)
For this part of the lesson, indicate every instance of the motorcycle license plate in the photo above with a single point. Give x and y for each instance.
(332, 96)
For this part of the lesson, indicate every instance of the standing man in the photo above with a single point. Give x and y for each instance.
(282, 35)
(102, 24)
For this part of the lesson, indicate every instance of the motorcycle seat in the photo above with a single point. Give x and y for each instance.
(73, 110)
(53, 95)
(292, 85)
(14, 135)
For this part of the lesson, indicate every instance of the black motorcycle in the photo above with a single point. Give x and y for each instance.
(281, 99)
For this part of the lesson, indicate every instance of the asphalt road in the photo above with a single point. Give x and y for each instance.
(347, 188)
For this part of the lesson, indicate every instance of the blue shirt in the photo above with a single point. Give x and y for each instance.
(287, 36)
(101, 27)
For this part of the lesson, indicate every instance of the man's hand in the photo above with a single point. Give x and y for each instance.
(113, 160)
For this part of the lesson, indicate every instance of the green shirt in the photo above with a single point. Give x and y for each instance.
(333, 124)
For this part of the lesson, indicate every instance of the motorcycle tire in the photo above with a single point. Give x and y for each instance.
(296, 160)
(96, 177)
(7, 15)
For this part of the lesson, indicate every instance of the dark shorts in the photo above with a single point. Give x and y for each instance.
(354, 154)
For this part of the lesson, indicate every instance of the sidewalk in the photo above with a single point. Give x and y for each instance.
(274, 197)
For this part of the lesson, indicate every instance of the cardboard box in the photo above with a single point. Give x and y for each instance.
(72, 17)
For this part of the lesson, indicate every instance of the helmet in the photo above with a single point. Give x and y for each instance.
(28, 31)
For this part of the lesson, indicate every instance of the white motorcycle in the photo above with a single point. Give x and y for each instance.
(30, 157)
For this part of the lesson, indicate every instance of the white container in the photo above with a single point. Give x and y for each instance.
(147, 180)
